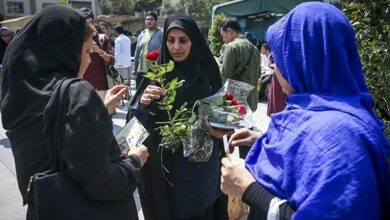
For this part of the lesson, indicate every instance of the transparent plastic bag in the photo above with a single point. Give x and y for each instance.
(220, 113)
(199, 144)
(228, 108)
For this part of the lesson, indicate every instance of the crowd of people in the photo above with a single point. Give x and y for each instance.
(323, 156)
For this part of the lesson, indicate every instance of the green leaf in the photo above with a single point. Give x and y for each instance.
(150, 75)
(171, 98)
(170, 66)
(219, 101)
(155, 68)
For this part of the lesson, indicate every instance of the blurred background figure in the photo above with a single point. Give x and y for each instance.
(104, 29)
(267, 71)
(249, 37)
(122, 53)
(148, 40)
(5, 38)
(101, 54)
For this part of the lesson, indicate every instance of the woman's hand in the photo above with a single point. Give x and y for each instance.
(215, 132)
(113, 97)
(151, 93)
(242, 137)
(234, 179)
(142, 153)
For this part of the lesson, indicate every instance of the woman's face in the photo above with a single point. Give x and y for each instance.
(287, 89)
(5, 36)
(85, 58)
(178, 44)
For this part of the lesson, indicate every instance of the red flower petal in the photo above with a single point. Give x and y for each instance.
(153, 55)
(229, 96)
(241, 109)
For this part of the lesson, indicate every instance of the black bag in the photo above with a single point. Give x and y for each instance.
(110, 69)
(58, 197)
(113, 73)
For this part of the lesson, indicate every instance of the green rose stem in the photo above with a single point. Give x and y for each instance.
(173, 131)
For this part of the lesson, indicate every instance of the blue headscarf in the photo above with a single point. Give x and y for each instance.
(326, 152)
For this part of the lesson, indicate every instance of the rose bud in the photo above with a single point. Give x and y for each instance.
(241, 109)
(229, 96)
(153, 55)
(235, 102)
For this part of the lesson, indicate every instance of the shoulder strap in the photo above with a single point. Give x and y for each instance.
(60, 122)
(245, 68)
(247, 63)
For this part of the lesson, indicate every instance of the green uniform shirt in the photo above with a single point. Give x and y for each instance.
(236, 55)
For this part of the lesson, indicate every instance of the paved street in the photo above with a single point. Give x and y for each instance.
(10, 199)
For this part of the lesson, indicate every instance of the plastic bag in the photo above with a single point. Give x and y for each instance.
(199, 144)
(227, 109)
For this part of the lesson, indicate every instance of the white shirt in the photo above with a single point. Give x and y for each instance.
(122, 51)
(265, 69)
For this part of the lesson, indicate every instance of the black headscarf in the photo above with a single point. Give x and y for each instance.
(3, 45)
(199, 70)
(46, 50)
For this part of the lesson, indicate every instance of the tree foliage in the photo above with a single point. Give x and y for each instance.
(105, 7)
(65, 3)
(168, 9)
(371, 21)
(200, 10)
(147, 5)
(126, 7)
(214, 36)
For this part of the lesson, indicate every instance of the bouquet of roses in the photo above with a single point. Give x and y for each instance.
(227, 109)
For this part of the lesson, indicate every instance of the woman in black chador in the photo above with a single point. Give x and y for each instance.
(53, 46)
(171, 186)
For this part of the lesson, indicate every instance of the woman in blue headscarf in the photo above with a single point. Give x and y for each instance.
(326, 153)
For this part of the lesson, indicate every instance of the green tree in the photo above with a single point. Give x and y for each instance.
(168, 9)
(371, 21)
(105, 7)
(65, 3)
(147, 5)
(214, 36)
(200, 10)
(126, 7)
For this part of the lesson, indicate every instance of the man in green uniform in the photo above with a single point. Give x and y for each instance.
(241, 62)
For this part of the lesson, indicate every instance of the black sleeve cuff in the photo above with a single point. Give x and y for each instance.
(134, 159)
(258, 198)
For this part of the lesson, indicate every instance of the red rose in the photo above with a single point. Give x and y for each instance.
(229, 96)
(235, 102)
(241, 109)
(153, 55)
